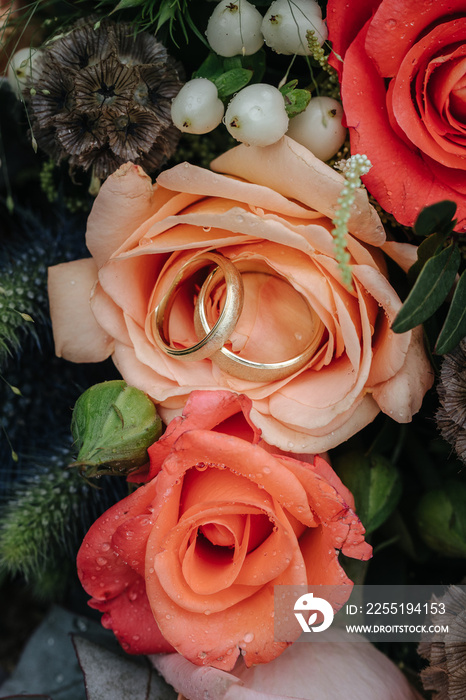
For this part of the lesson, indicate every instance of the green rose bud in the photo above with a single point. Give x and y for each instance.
(441, 519)
(113, 425)
(375, 484)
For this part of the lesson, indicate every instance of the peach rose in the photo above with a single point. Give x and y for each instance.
(272, 207)
(190, 559)
(328, 670)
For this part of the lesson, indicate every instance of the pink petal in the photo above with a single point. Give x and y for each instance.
(268, 165)
(77, 335)
(126, 200)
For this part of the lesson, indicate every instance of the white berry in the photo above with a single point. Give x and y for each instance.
(197, 108)
(257, 116)
(319, 127)
(235, 28)
(22, 68)
(286, 22)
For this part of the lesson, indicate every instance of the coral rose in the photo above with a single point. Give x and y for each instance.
(279, 224)
(404, 94)
(191, 558)
(338, 667)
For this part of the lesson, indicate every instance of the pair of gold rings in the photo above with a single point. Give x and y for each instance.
(211, 341)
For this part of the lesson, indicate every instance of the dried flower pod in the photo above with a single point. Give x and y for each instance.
(446, 673)
(102, 97)
(451, 416)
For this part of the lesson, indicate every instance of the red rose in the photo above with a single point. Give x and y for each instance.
(190, 559)
(403, 82)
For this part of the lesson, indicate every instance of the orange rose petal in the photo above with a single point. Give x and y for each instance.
(110, 316)
(287, 437)
(130, 282)
(70, 286)
(129, 541)
(266, 165)
(246, 460)
(216, 638)
(168, 204)
(131, 619)
(163, 563)
(126, 199)
(389, 348)
(404, 254)
(208, 569)
(402, 395)
(102, 572)
(190, 178)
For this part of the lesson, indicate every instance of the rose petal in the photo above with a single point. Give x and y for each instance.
(402, 395)
(125, 200)
(266, 166)
(77, 335)
(396, 25)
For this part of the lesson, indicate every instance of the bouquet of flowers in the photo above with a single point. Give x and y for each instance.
(233, 345)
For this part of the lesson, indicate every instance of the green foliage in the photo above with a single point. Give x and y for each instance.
(441, 519)
(41, 518)
(437, 217)
(430, 290)
(375, 484)
(454, 328)
(23, 298)
(230, 75)
(296, 100)
(433, 276)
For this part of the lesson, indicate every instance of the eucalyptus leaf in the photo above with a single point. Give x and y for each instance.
(436, 218)
(429, 247)
(430, 290)
(375, 484)
(454, 328)
(232, 81)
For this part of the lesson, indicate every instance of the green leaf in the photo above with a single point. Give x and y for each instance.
(375, 484)
(441, 519)
(427, 249)
(430, 290)
(232, 81)
(125, 4)
(435, 218)
(211, 68)
(296, 100)
(255, 63)
(454, 328)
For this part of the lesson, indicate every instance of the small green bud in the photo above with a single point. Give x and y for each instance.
(113, 425)
(441, 519)
(375, 484)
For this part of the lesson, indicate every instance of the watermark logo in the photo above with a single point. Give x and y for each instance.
(311, 604)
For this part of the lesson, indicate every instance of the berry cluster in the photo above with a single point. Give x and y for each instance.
(257, 114)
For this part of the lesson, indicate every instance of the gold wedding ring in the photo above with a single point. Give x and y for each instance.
(215, 337)
(240, 367)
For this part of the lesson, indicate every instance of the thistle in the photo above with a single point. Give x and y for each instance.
(451, 416)
(102, 96)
